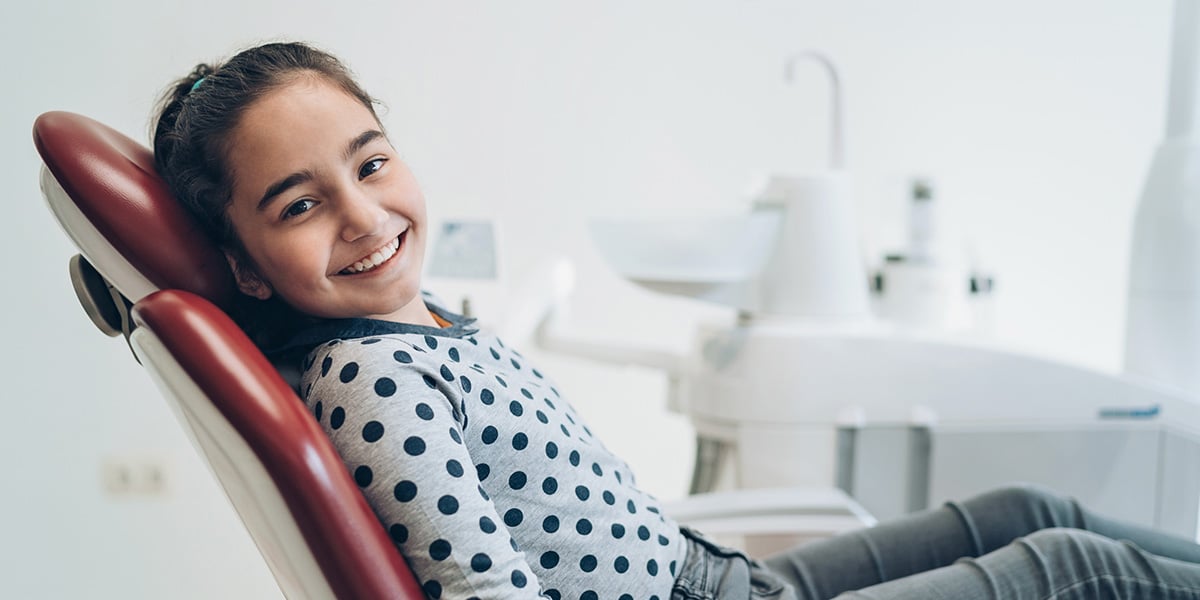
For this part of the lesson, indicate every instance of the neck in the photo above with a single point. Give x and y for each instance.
(414, 313)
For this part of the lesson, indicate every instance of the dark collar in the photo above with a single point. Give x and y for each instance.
(315, 332)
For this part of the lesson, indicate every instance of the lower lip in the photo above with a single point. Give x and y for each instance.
(387, 263)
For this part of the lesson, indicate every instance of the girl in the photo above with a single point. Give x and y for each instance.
(489, 482)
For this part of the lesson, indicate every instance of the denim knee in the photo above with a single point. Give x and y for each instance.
(1056, 510)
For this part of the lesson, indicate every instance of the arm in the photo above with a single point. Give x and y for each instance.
(401, 439)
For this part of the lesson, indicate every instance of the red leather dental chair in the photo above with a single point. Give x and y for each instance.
(146, 271)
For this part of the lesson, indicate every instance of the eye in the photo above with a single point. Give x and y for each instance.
(298, 208)
(370, 167)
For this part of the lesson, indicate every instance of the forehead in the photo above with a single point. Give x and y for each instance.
(301, 125)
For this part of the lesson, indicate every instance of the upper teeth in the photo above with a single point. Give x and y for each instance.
(376, 258)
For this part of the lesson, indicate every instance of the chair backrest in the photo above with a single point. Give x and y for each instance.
(305, 513)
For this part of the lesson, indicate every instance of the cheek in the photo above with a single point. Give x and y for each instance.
(294, 258)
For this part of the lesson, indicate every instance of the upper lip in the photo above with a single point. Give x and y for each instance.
(373, 250)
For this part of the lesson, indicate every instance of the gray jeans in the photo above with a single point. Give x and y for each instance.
(1014, 543)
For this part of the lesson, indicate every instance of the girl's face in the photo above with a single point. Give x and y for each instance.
(330, 217)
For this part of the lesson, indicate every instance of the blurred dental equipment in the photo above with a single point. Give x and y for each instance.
(805, 388)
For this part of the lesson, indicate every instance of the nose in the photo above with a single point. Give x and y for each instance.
(361, 215)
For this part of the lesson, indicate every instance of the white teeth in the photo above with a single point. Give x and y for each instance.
(376, 258)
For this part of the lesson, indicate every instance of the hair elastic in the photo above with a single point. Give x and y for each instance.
(196, 85)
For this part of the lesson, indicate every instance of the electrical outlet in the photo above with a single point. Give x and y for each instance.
(132, 476)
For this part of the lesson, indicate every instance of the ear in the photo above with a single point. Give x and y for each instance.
(248, 281)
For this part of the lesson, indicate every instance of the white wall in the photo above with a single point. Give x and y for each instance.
(1036, 118)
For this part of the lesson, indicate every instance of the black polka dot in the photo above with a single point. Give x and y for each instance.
(317, 410)
(643, 533)
(515, 408)
(662, 540)
(588, 563)
(453, 352)
(398, 533)
(363, 476)
(550, 485)
(439, 550)
(652, 567)
(551, 450)
(446, 374)
(454, 468)
(589, 595)
(672, 567)
(385, 387)
(414, 446)
(565, 431)
(448, 504)
(433, 589)
(541, 416)
(519, 579)
(582, 492)
(525, 392)
(372, 431)
(487, 525)
(482, 493)
(481, 562)
(349, 372)
(402, 357)
(621, 564)
(516, 365)
(631, 507)
(337, 417)
(583, 527)
(617, 474)
(597, 470)
(549, 559)
(431, 342)
(405, 491)
(501, 381)
(625, 597)
(325, 364)
(466, 384)
(513, 517)
(424, 412)
(495, 355)
(549, 403)
(609, 499)
(486, 396)
(520, 441)
(553, 594)
(574, 458)
(454, 435)
(517, 480)
(550, 524)
(489, 434)
(618, 530)
(482, 470)
(430, 382)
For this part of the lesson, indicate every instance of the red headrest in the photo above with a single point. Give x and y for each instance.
(112, 180)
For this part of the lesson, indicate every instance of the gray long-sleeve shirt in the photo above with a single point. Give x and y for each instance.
(485, 477)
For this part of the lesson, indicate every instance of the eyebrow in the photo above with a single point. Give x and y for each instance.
(299, 177)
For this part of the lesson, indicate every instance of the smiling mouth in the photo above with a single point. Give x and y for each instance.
(373, 260)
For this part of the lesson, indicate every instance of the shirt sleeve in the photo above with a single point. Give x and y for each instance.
(401, 437)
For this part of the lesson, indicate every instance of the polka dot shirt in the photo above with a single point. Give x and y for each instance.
(487, 480)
